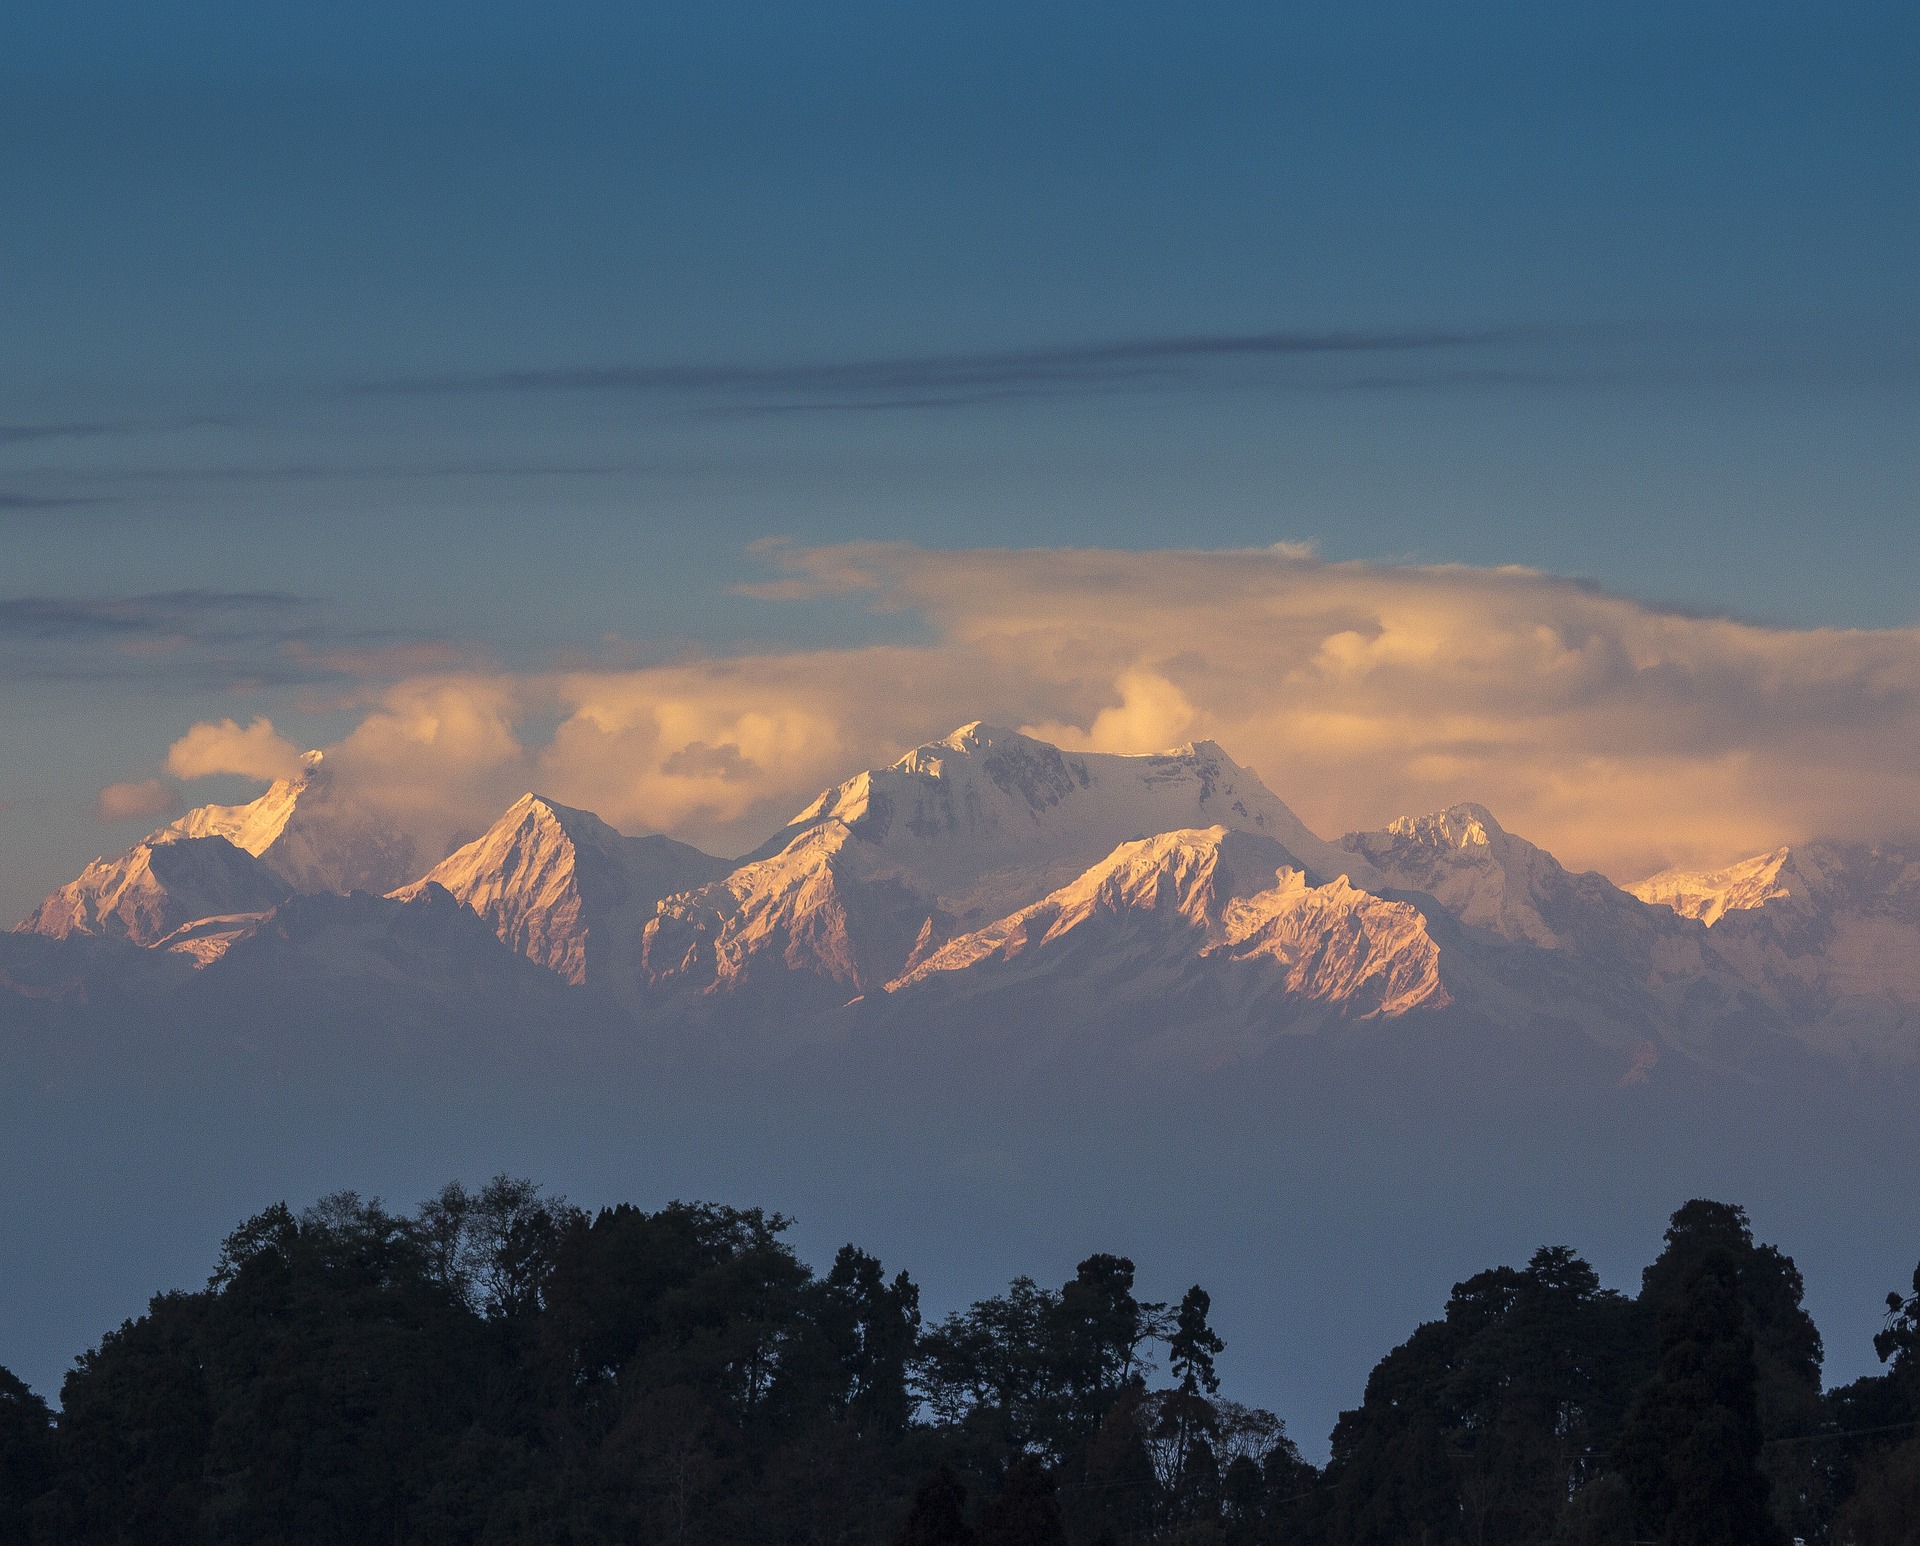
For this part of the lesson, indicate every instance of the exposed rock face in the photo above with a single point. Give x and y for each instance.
(1234, 907)
(1501, 884)
(829, 912)
(562, 888)
(157, 887)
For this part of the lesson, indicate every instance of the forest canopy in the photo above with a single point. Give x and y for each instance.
(501, 1366)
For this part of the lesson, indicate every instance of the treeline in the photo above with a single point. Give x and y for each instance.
(501, 1367)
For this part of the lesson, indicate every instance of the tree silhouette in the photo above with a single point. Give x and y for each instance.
(26, 1456)
(1692, 1447)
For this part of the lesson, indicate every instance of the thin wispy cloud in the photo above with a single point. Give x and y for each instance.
(211, 639)
(10, 500)
(28, 434)
(1322, 361)
(935, 379)
(203, 614)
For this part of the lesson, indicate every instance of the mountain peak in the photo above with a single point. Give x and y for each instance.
(1492, 879)
(308, 832)
(565, 889)
(1811, 879)
(989, 819)
(1459, 827)
(154, 888)
(579, 825)
(1710, 895)
(975, 735)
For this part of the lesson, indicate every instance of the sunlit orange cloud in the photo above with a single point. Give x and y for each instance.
(211, 747)
(1621, 736)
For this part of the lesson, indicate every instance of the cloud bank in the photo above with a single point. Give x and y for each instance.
(1622, 736)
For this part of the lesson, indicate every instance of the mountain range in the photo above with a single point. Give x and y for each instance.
(990, 873)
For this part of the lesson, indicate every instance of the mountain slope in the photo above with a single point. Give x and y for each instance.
(309, 833)
(1234, 912)
(823, 920)
(1832, 928)
(564, 889)
(1163, 891)
(1709, 895)
(1502, 885)
(155, 888)
(425, 945)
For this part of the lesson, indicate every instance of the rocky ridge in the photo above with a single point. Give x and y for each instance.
(562, 888)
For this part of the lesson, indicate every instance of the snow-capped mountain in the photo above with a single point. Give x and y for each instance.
(826, 917)
(309, 834)
(957, 833)
(1160, 914)
(366, 955)
(988, 820)
(564, 889)
(1506, 888)
(1710, 895)
(156, 888)
(1831, 928)
(425, 944)
(1067, 886)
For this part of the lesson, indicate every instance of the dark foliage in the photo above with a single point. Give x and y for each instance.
(939, 1513)
(1690, 1455)
(26, 1457)
(500, 1367)
(1026, 1513)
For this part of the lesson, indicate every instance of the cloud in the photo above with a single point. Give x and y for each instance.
(196, 613)
(1152, 714)
(213, 639)
(29, 434)
(1381, 359)
(259, 751)
(11, 500)
(1622, 736)
(149, 799)
(959, 379)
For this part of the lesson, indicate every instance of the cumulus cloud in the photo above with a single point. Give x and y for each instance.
(148, 799)
(259, 751)
(1622, 736)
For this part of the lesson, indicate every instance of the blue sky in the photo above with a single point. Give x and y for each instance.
(505, 330)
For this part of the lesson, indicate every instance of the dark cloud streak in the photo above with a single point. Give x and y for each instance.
(15, 501)
(1414, 359)
(201, 639)
(155, 614)
(913, 377)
